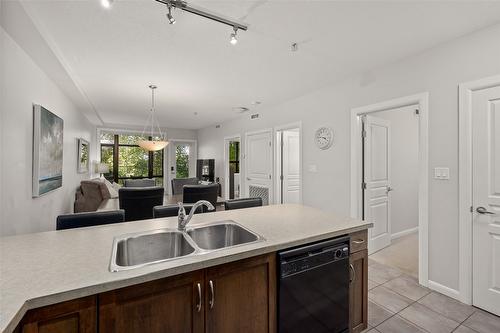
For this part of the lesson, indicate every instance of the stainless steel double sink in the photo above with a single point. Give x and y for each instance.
(155, 246)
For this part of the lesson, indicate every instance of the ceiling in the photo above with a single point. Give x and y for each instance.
(113, 55)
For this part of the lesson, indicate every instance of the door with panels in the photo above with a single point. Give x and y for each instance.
(486, 198)
(376, 183)
(291, 166)
(259, 165)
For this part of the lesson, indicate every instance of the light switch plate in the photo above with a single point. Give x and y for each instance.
(442, 173)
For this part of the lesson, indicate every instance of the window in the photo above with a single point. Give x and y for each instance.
(182, 161)
(234, 155)
(127, 160)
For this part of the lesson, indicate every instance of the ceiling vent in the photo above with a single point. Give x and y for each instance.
(240, 109)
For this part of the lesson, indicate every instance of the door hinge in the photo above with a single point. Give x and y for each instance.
(269, 176)
(471, 209)
(417, 112)
(281, 177)
(363, 133)
(363, 185)
(270, 144)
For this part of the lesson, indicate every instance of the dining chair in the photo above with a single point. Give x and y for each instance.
(80, 220)
(173, 210)
(138, 202)
(178, 184)
(194, 193)
(146, 182)
(242, 203)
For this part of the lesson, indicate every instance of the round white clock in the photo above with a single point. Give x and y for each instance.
(324, 137)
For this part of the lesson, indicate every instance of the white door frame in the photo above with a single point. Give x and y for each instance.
(465, 181)
(283, 127)
(422, 100)
(243, 181)
(166, 157)
(227, 139)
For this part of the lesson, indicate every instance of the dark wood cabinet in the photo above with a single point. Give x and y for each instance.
(241, 296)
(358, 295)
(165, 305)
(236, 297)
(75, 316)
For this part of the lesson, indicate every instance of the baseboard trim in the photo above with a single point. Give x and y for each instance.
(450, 292)
(404, 233)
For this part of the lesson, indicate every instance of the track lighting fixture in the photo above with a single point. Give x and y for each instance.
(183, 5)
(170, 18)
(234, 39)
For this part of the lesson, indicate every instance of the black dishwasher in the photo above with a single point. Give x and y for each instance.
(314, 288)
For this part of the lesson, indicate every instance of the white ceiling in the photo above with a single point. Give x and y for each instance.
(113, 55)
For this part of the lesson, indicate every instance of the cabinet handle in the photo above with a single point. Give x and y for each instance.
(353, 273)
(198, 306)
(358, 241)
(212, 294)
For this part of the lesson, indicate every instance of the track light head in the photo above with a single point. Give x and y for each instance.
(234, 39)
(170, 18)
(107, 3)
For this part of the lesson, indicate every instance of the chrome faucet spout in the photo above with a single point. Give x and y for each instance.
(182, 220)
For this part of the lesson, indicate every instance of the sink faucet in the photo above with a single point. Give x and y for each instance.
(182, 220)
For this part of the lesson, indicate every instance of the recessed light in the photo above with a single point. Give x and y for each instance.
(106, 3)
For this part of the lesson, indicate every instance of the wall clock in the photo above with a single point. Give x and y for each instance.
(324, 137)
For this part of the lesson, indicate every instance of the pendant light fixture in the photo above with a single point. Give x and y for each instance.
(152, 144)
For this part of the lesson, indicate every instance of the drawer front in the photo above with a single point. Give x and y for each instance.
(359, 241)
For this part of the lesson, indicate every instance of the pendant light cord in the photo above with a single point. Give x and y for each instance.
(152, 119)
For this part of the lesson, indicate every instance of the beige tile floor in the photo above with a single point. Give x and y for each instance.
(398, 304)
(403, 254)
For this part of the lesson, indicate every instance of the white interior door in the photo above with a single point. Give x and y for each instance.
(377, 173)
(291, 166)
(259, 165)
(486, 199)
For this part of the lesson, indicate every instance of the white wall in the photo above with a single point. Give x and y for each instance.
(404, 167)
(438, 71)
(22, 84)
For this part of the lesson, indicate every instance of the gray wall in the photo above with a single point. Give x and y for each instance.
(438, 71)
(22, 84)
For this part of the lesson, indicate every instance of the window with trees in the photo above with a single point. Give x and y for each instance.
(234, 155)
(126, 160)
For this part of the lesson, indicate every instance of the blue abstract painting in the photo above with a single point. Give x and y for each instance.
(47, 151)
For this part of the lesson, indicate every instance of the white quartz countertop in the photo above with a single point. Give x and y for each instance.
(51, 267)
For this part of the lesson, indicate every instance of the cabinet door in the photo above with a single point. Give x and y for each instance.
(241, 296)
(76, 316)
(359, 291)
(168, 305)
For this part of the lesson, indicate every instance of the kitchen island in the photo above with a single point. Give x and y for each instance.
(66, 273)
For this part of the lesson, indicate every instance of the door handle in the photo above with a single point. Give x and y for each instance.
(482, 210)
(353, 273)
(198, 306)
(389, 189)
(211, 302)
